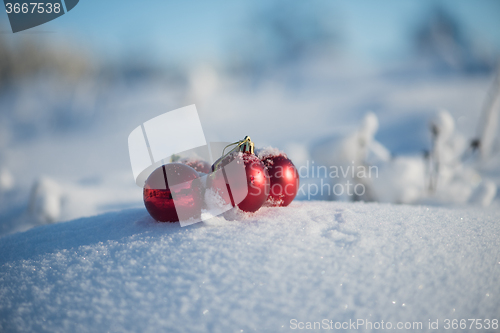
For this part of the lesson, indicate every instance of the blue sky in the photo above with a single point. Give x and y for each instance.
(199, 30)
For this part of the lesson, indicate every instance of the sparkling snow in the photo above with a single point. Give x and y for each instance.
(123, 272)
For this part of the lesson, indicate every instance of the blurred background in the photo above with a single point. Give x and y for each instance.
(409, 86)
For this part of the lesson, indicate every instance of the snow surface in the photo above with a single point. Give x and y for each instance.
(123, 272)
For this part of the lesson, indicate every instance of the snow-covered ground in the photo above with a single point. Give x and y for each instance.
(123, 272)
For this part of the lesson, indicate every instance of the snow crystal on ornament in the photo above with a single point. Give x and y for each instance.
(267, 152)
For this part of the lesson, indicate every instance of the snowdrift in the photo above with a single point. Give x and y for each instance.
(123, 272)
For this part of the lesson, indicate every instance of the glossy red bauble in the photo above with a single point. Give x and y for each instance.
(256, 182)
(284, 179)
(168, 182)
(198, 164)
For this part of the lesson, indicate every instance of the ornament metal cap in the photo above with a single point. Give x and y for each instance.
(247, 145)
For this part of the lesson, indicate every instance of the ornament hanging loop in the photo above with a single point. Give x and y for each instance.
(245, 146)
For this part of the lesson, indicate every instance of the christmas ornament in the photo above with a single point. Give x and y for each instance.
(197, 163)
(283, 176)
(171, 188)
(255, 184)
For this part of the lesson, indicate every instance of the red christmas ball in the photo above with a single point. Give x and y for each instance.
(255, 184)
(173, 181)
(284, 179)
(198, 164)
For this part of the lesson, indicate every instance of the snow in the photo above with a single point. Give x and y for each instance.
(64, 156)
(89, 161)
(401, 181)
(46, 200)
(123, 272)
(267, 152)
(449, 173)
